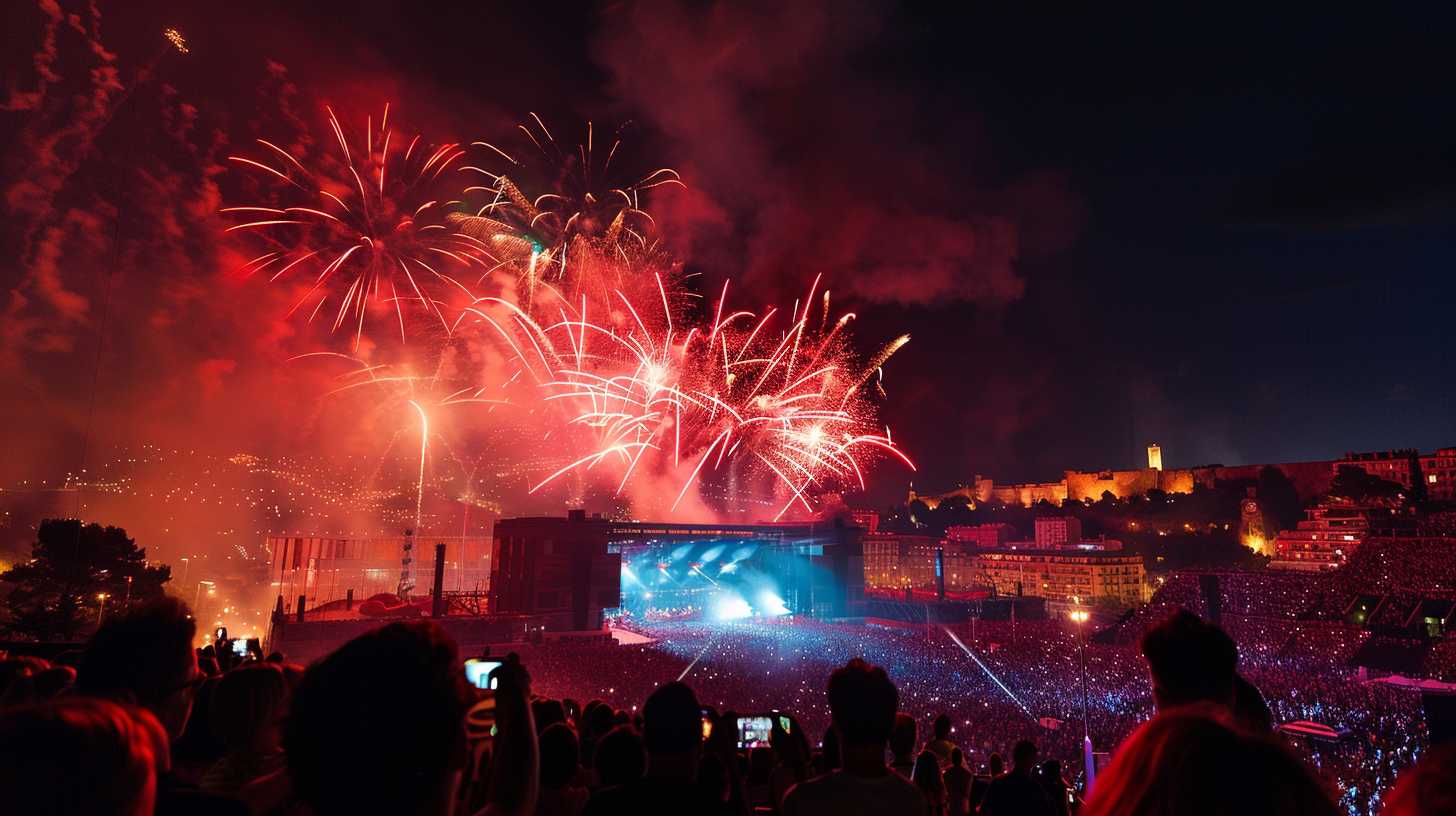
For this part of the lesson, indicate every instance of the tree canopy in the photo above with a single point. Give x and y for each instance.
(1355, 484)
(57, 593)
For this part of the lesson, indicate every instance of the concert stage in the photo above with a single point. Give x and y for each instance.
(561, 576)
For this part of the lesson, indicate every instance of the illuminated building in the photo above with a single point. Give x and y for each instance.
(1439, 471)
(324, 569)
(894, 561)
(1062, 574)
(980, 536)
(1323, 541)
(1057, 532)
(1399, 466)
(869, 520)
(1089, 485)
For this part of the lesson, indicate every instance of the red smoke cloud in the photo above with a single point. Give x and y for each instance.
(806, 161)
(799, 161)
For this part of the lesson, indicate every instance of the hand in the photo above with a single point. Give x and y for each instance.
(512, 677)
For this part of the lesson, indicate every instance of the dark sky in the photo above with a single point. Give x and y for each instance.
(1227, 231)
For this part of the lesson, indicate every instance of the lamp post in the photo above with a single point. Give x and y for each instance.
(197, 598)
(1080, 617)
(101, 612)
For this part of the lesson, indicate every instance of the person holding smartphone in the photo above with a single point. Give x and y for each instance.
(378, 726)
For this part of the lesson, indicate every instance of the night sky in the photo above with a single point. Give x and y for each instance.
(1229, 232)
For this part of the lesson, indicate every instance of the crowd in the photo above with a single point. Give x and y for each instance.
(925, 721)
(1405, 566)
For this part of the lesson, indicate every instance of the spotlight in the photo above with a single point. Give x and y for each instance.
(731, 607)
(769, 603)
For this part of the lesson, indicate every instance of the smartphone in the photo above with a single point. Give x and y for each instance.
(786, 723)
(477, 672)
(707, 727)
(754, 731)
(240, 647)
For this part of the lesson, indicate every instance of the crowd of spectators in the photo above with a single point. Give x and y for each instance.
(918, 722)
(1418, 566)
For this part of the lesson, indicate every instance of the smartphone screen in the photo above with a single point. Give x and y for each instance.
(477, 672)
(240, 647)
(707, 727)
(785, 723)
(754, 731)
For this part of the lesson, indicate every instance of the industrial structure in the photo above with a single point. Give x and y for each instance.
(568, 570)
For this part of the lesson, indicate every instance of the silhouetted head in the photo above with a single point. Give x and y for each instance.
(597, 719)
(941, 727)
(547, 712)
(145, 656)
(620, 757)
(1191, 661)
(1051, 771)
(1192, 760)
(1023, 755)
(926, 776)
(862, 704)
(560, 756)
(78, 756)
(672, 722)
(378, 726)
(247, 707)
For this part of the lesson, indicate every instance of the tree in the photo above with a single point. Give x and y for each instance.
(955, 501)
(71, 566)
(919, 513)
(1355, 484)
(1279, 500)
(1418, 479)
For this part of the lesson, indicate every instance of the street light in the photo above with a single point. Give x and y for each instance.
(1080, 617)
(197, 596)
(101, 613)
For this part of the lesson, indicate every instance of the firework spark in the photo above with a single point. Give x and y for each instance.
(178, 41)
(588, 230)
(366, 224)
(737, 393)
(414, 401)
